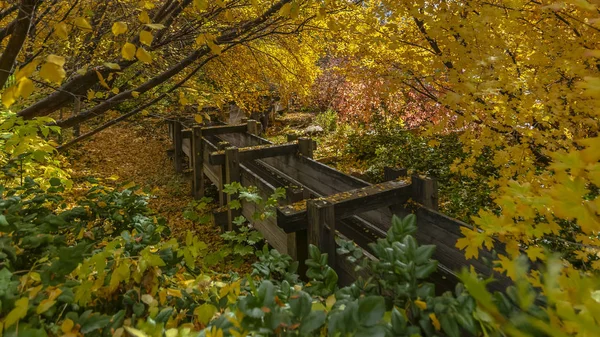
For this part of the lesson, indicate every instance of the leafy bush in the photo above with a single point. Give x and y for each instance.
(327, 120)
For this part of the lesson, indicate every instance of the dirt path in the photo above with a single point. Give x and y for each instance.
(138, 153)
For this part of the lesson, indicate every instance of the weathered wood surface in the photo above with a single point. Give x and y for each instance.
(294, 217)
(322, 180)
(268, 227)
(197, 163)
(256, 152)
(224, 129)
(177, 146)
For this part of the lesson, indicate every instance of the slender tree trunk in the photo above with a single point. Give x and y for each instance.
(17, 39)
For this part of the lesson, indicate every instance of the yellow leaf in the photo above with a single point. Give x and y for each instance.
(52, 72)
(135, 332)
(435, 321)
(285, 10)
(113, 66)
(198, 119)
(27, 70)
(144, 112)
(330, 302)
(422, 305)
(44, 306)
(101, 79)
(55, 59)
(9, 96)
(115, 91)
(146, 37)
(19, 311)
(60, 30)
(135, 94)
(215, 48)
(128, 51)
(536, 253)
(25, 87)
(143, 55)
(174, 293)
(144, 18)
(119, 28)
(82, 24)
(155, 26)
(91, 95)
(67, 325)
(201, 4)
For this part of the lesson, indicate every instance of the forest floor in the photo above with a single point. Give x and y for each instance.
(137, 152)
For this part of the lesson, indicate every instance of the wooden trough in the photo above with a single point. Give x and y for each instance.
(320, 200)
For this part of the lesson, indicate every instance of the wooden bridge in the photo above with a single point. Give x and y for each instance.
(320, 200)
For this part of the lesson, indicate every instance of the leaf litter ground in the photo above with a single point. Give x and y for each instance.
(137, 153)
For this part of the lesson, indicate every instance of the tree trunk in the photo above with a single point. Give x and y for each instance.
(17, 39)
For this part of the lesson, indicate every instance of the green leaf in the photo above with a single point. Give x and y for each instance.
(19, 311)
(371, 310)
(312, 322)
(54, 182)
(301, 304)
(164, 315)
(94, 322)
(205, 312)
(3, 221)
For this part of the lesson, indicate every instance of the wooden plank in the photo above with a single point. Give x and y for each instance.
(187, 133)
(197, 163)
(223, 129)
(255, 152)
(293, 217)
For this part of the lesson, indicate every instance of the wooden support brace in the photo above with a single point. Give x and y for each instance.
(306, 147)
(391, 173)
(221, 146)
(232, 174)
(256, 152)
(297, 242)
(252, 127)
(321, 227)
(197, 163)
(177, 146)
(425, 191)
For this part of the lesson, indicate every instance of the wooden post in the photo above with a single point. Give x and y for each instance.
(76, 111)
(306, 147)
(291, 137)
(221, 146)
(297, 242)
(197, 163)
(177, 146)
(232, 173)
(244, 120)
(391, 173)
(425, 191)
(321, 227)
(252, 127)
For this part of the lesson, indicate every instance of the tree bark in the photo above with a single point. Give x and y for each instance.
(17, 39)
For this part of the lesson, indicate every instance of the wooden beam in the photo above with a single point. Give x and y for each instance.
(321, 227)
(178, 146)
(293, 217)
(222, 129)
(187, 133)
(255, 152)
(197, 163)
(425, 191)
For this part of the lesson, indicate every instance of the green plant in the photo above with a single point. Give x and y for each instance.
(328, 120)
